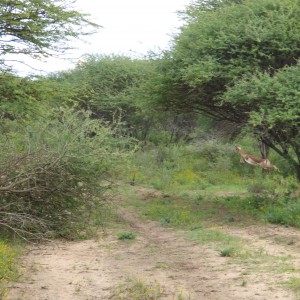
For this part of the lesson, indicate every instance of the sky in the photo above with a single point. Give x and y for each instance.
(129, 27)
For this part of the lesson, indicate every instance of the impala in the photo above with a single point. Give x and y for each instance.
(253, 160)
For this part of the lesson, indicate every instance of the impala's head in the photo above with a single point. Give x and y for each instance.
(237, 149)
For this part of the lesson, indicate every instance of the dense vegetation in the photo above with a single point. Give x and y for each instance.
(232, 76)
(229, 62)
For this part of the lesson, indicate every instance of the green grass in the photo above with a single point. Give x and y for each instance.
(8, 265)
(206, 235)
(225, 204)
(176, 213)
(240, 188)
(211, 170)
(225, 244)
(180, 168)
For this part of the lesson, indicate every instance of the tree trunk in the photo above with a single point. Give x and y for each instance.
(294, 162)
(264, 151)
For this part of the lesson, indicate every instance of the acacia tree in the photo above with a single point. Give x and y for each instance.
(219, 45)
(222, 42)
(39, 28)
(275, 116)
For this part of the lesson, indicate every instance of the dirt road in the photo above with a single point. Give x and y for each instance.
(162, 261)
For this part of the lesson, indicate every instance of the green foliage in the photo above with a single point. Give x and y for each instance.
(211, 54)
(286, 213)
(280, 205)
(111, 87)
(189, 167)
(39, 28)
(118, 87)
(194, 172)
(275, 100)
(17, 97)
(265, 35)
(107, 80)
(27, 98)
(274, 189)
(275, 200)
(53, 172)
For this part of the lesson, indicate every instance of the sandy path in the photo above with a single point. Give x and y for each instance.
(185, 270)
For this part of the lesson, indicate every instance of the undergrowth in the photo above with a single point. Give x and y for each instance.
(212, 170)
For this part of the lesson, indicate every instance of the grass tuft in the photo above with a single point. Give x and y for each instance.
(294, 284)
(126, 236)
(228, 252)
(136, 289)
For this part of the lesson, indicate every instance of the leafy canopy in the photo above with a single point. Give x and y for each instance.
(239, 38)
(39, 28)
(237, 61)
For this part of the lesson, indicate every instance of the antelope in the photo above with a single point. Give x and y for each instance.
(253, 160)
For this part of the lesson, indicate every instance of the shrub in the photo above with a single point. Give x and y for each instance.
(285, 213)
(274, 199)
(52, 172)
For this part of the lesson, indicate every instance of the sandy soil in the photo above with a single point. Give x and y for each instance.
(94, 269)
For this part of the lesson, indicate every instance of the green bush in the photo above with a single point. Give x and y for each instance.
(284, 213)
(274, 199)
(274, 187)
(52, 172)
